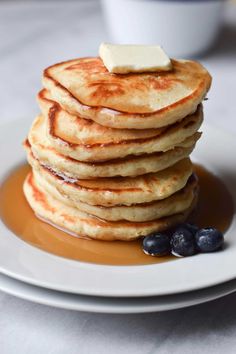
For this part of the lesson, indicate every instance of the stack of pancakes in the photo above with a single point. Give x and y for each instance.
(109, 153)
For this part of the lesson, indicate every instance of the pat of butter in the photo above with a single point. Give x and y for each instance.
(124, 58)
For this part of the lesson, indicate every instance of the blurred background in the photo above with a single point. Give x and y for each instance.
(35, 34)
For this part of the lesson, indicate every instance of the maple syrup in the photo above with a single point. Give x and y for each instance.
(215, 208)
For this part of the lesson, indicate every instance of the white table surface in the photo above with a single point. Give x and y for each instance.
(33, 35)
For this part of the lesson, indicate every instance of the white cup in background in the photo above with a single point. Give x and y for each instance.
(184, 28)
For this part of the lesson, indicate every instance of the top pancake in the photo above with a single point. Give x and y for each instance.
(139, 101)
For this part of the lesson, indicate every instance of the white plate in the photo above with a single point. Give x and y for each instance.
(24, 262)
(112, 304)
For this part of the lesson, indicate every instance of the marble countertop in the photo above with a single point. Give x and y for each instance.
(35, 34)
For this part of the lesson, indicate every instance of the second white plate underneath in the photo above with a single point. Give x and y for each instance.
(113, 305)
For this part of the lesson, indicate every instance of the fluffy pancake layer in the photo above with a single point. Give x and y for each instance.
(81, 224)
(139, 101)
(171, 137)
(176, 203)
(129, 166)
(119, 190)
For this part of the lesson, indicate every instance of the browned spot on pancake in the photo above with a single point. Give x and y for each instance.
(53, 110)
(93, 65)
(48, 148)
(161, 82)
(68, 218)
(84, 122)
(103, 89)
(39, 196)
(26, 143)
(51, 117)
(138, 85)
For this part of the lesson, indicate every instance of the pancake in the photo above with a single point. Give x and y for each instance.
(82, 224)
(128, 167)
(76, 130)
(132, 101)
(169, 139)
(119, 190)
(88, 141)
(131, 166)
(176, 203)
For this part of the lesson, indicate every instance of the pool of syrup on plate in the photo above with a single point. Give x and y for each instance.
(215, 208)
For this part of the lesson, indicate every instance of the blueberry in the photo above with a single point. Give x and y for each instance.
(157, 244)
(187, 226)
(183, 243)
(209, 239)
